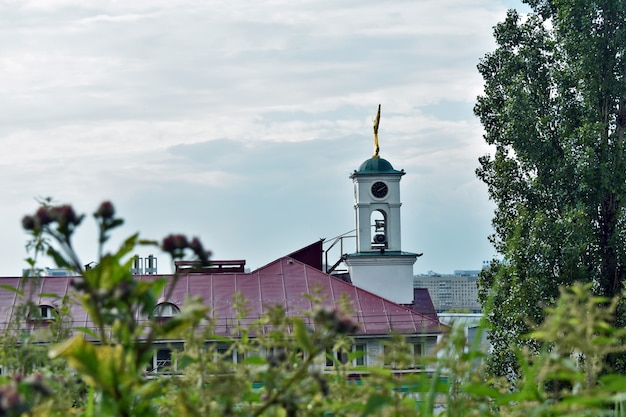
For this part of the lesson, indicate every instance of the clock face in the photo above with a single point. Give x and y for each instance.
(379, 189)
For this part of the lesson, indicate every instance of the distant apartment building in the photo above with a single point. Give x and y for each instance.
(456, 292)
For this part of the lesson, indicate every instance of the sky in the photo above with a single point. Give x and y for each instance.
(240, 122)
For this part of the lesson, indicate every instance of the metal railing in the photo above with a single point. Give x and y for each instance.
(339, 240)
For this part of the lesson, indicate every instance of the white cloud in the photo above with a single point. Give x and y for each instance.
(204, 101)
(131, 17)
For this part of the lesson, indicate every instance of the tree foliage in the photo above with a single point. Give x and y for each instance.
(554, 110)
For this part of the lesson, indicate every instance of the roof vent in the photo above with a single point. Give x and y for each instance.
(151, 265)
(137, 268)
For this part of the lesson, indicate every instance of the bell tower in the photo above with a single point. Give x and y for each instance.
(377, 206)
(379, 265)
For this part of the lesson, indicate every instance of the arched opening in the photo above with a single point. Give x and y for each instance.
(43, 312)
(42, 315)
(165, 310)
(378, 222)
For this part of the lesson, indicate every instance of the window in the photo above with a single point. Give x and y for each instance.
(342, 356)
(47, 313)
(165, 310)
(387, 355)
(330, 357)
(360, 358)
(161, 361)
(336, 356)
(229, 355)
(44, 313)
(418, 350)
(276, 355)
(414, 358)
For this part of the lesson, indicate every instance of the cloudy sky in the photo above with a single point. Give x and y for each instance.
(240, 121)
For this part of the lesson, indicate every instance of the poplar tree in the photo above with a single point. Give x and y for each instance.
(554, 112)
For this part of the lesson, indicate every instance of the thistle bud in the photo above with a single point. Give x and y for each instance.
(174, 244)
(336, 321)
(198, 249)
(42, 217)
(106, 210)
(10, 401)
(28, 223)
(65, 215)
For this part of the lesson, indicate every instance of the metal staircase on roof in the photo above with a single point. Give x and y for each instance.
(337, 243)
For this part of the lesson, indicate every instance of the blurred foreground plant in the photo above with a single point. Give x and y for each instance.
(279, 369)
(111, 359)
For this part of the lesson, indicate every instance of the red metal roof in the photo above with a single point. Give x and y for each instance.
(286, 282)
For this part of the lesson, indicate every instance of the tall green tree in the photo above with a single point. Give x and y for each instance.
(554, 110)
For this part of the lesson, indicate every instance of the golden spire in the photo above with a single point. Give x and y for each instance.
(376, 122)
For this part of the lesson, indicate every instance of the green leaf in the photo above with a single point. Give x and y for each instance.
(102, 366)
(87, 331)
(355, 355)
(59, 260)
(482, 390)
(303, 336)
(49, 295)
(193, 312)
(147, 291)
(127, 247)
(374, 403)
(184, 361)
(12, 289)
(255, 360)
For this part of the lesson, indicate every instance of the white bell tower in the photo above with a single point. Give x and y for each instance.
(377, 206)
(379, 265)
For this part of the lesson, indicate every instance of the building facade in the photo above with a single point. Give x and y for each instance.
(451, 292)
(287, 282)
(379, 297)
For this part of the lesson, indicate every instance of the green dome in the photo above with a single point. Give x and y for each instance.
(377, 166)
